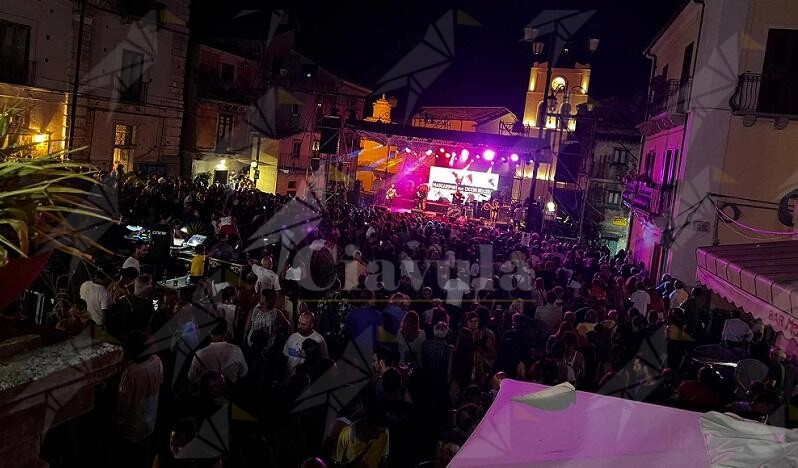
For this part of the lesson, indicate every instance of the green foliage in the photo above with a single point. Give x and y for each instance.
(38, 195)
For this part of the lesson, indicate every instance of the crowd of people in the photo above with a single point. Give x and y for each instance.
(379, 339)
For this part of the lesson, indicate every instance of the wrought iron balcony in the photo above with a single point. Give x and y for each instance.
(21, 75)
(651, 198)
(768, 95)
(135, 92)
(669, 96)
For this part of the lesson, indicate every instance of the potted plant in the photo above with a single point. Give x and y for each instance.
(39, 199)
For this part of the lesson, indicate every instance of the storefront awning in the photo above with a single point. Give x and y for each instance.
(761, 279)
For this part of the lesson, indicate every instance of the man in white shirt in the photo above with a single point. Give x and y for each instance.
(735, 330)
(137, 395)
(455, 289)
(679, 294)
(133, 260)
(219, 356)
(304, 331)
(640, 298)
(98, 299)
(267, 278)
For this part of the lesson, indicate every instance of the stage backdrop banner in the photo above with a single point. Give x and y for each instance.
(443, 183)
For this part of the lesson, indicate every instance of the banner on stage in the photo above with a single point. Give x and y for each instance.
(444, 181)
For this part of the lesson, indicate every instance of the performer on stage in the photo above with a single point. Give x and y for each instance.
(458, 197)
(421, 196)
(390, 195)
(494, 210)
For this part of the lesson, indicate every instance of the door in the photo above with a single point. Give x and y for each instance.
(221, 177)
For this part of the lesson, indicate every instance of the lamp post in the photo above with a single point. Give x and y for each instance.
(531, 35)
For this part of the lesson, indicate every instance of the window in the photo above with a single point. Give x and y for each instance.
(779, 73)
(620, 156)
(227, 72)
(294, 110)
(613, 198)
(649, 165)
(292, 184)
(14, 49)
(131, 76)
(667, 171)
(123, 146)
(297, 148)
(224, 131)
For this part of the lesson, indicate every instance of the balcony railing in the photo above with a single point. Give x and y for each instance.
(669, 96)
(135, 93)
(21, 75)
(765, 94)
(649, 197)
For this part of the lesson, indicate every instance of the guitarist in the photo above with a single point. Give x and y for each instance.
(390, 195)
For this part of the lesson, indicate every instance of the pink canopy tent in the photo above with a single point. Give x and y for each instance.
(580, 429)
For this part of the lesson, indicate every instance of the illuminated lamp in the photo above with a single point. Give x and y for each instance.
(514, 157)
(39, 138)
(428, 152)
(464, 155)
(489, 155)
(443, 150)
(551, 207)
(408, 150)
(253, 164)
(504, 159)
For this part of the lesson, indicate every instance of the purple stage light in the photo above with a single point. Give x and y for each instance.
(488, 155)
(428, 152)
(408, 150)
(514, 157)
(443, 150)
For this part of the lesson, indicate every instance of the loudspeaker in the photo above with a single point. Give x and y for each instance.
(568, 161)
(534, 217)
(330, 129)
(354, 194)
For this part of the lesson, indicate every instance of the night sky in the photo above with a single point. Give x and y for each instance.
(490, 66)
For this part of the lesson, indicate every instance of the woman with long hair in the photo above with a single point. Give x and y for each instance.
(410, 338)
(463, 369)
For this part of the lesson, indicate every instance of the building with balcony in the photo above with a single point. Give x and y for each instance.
(717, 162)
(218, 140)
(130, 67)
(104, 79)
(614, 156)
(34, 57)
(257, 113)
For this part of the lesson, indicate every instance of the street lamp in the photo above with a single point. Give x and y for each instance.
(550, 101)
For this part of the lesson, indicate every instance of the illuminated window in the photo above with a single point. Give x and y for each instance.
(123, 146)
(296, 149)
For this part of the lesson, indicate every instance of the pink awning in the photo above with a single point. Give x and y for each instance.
(761, 279)
(588, 431)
